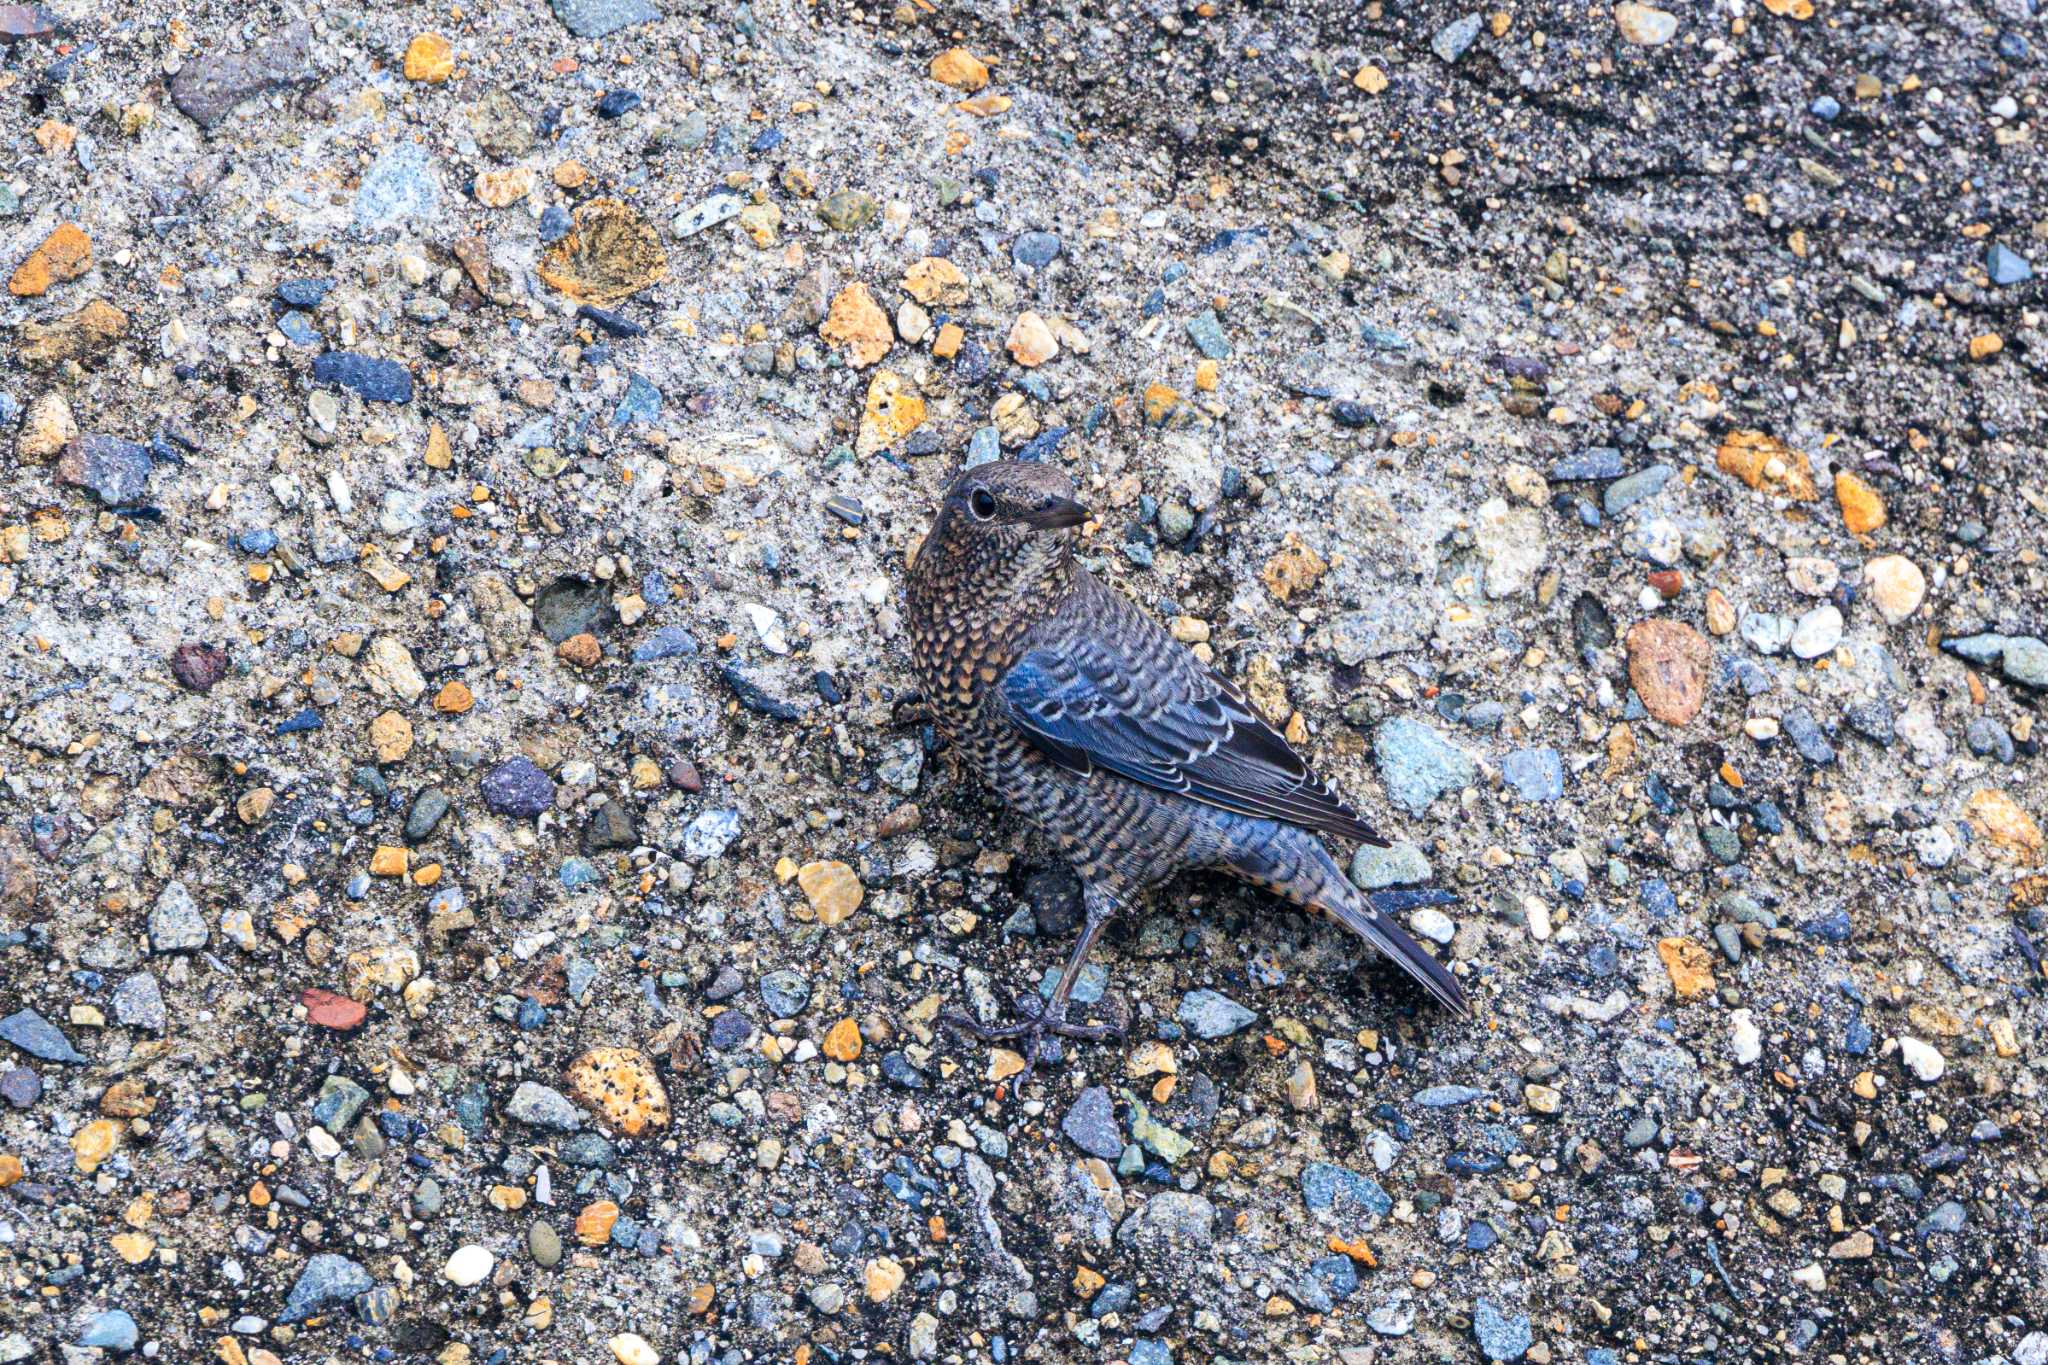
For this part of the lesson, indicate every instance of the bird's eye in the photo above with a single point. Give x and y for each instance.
(982, 503)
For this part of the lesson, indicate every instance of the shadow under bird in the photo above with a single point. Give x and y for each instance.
(1109, 736)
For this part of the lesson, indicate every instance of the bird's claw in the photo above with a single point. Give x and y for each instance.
(1033, 1029)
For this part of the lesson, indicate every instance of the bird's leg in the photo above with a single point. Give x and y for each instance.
(1100, 907)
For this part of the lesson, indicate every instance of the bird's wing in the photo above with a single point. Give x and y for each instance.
(1102, 686)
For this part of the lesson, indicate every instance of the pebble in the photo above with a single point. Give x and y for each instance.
(1400, 864)
(113, 1330)
(1502, 1336)
(207, 89)
(175, 924)
(540, 1106)
(1453, 39)
(328, 1281)
(1645, 25)
(602, 18)
(1644, 483)
(115, 471)
(2005, 266)
(39, 1038)
(1091, 1125)
(1034, 250)
(518, 789)
(1534, 774)
(1922, 1059)
(1209, 1014)
(373, 380)
(1417, 764)
(1896, 586)
(469, 1265)
(1817, 632)
(1667, 665)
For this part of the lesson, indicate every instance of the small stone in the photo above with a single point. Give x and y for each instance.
(198, 667)
(46, 430)
(843, 1041)
(1744, 1039)
(619, 1084)
(373, 380)
(1690, 966)
(602, 18)
(391, 737)
(544, 1244)
(833, 889)
(707, 213)
(1453, 39)
(429, 59)
(629, 1348)
(848, 210)
(858, 326)
(39, 1038)
(139, 1003)
(63, 255)
(1031, 341)
(1534, 774)
(935, 281)
(961, 69)
(2005, 266)
(175, 924)
(1645, 25)
(1862, 508)
(881, 1278)
(540, 1106)
(893, 411)
(2005, 823)
(1767, 465)
(469, 1265)
(1210, 1014)
(1091, 1125)
(208, 88)
(1502, 1336)
(1896, 585)
(1817, 632)
(1667, 665)
(519, 789)
(501, 189)
(581, 650)
(1417, 764)
(1035, 250)
(328, 1281)
(611, 254)
(116, 471)
(113, 1330)
(1402, 864)
(331, 1010)
(78, 336)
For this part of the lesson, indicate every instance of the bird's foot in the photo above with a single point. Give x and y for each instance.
(1033, 1029)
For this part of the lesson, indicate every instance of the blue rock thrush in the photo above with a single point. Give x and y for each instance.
(1107, 735)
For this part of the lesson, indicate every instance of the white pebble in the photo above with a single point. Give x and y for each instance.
(1921, 1059)
(1744, 1037)
(630, 1348)
(469, 1265)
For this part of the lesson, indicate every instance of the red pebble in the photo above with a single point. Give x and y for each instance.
(330, 1009)
(1667, 582)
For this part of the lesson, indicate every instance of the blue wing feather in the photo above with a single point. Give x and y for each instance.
(1102, 686)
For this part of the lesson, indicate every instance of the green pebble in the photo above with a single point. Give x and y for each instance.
(544, 1244)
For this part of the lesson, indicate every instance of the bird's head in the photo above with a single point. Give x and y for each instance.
(1008, 525)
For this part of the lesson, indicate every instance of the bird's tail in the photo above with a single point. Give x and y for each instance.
(1304, 872)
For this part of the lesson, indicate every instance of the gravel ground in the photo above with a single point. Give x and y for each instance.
(475, 884)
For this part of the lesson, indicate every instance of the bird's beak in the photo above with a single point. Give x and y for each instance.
(1056, 515)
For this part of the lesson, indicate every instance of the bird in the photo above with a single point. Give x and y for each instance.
(1110, 737)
